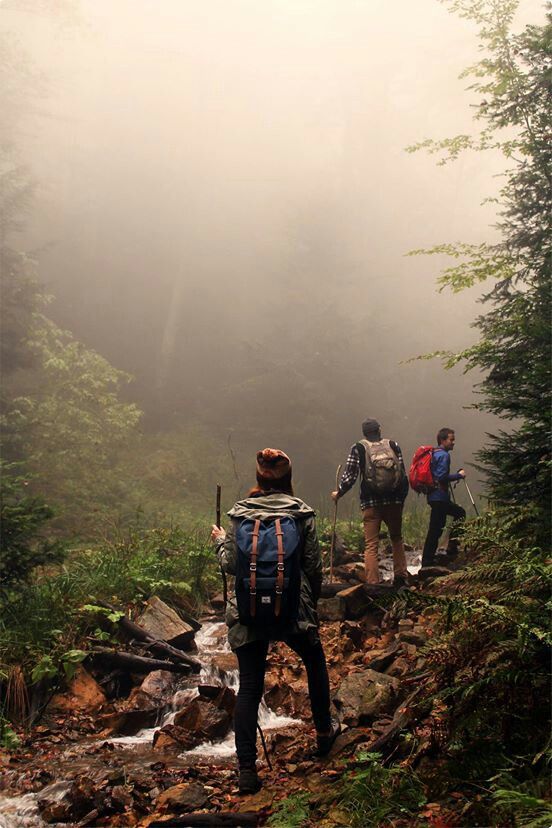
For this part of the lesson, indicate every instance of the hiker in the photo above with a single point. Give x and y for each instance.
(440, 501)
(383, 490)
(272, 549)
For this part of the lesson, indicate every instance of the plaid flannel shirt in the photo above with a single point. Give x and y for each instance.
(368, 500)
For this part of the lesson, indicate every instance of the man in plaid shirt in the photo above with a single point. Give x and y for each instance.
(385, 506)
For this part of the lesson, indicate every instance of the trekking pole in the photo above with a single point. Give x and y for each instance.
(471, 497)
(332, 545)
(261, 734)
(222, 572)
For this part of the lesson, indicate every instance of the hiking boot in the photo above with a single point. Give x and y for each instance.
(401, 581)
(249, 782)
(452, 549)
(324, 741)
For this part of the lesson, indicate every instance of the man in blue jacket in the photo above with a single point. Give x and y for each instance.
(439, 499)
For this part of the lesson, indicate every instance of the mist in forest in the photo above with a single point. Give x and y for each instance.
(224, 205)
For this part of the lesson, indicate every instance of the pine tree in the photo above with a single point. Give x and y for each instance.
(514, 80)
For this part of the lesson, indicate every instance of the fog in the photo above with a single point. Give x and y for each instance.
(225, 204)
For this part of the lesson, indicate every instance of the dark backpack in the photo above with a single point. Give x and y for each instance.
(382, 471)
(268, 571)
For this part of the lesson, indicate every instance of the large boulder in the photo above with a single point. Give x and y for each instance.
(183, 798)
(206, 718)
(84, 693)
(364, 696)
(158, 688)
(203, 718)
(164, 624)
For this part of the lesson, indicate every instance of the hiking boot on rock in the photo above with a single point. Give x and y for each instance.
(324, 741)
(249, 782)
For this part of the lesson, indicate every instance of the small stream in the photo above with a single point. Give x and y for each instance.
(211, 640)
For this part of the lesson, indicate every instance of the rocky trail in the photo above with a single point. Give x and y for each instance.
(157, 747)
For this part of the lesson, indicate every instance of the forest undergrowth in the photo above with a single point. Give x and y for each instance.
(477, 750)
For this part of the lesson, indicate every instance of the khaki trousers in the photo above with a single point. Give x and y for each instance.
(391, 515)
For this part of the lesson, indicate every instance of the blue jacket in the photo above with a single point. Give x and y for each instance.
(440, 468)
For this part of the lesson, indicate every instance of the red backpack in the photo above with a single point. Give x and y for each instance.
(420, 476)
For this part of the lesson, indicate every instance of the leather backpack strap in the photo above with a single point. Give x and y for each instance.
(280, 573)
(253, 569)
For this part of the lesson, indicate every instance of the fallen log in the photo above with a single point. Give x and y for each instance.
(157, 647)
(134, 663)
(215, 820)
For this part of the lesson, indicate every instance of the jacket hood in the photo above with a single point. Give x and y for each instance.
(278, 504)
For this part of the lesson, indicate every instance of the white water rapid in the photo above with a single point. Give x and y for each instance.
(211, 641)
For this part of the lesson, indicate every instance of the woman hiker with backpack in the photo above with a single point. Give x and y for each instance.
(272, 549)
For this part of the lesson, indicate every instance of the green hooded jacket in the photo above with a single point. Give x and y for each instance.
(262, 507)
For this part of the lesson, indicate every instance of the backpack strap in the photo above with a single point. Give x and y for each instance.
(280, 574)
(253, 569)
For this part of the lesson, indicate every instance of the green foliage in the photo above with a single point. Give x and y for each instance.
(377, 795)
(487, 667)
(291, 812)
(514, 352)
(9, 740)
(22, 517)
(522, 809)
(72, 422)
(44, 625)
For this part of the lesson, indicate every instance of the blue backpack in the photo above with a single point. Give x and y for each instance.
(268, 571)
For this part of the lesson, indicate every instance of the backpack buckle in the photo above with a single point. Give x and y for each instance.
(280, 567)
(253, 567)
(278, 590)
(253, 592)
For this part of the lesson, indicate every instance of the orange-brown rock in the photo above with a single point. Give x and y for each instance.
(84, 693)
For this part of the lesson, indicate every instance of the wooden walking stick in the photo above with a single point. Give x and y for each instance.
(332, 545)
(222, 572)
(219, 491)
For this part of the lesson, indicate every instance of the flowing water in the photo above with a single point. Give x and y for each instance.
(23, 812)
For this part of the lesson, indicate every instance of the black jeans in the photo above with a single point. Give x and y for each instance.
(439, 511)
(252, 664)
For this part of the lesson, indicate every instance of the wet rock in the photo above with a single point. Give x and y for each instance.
(222, 697)
(203, 719)
(157, 689)
(129, 722)
(164, 624)
(67, 803)
(84, 693)
(366, 695)
(170, 740)
(331, 609)
(188, 796)
(225, 663)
